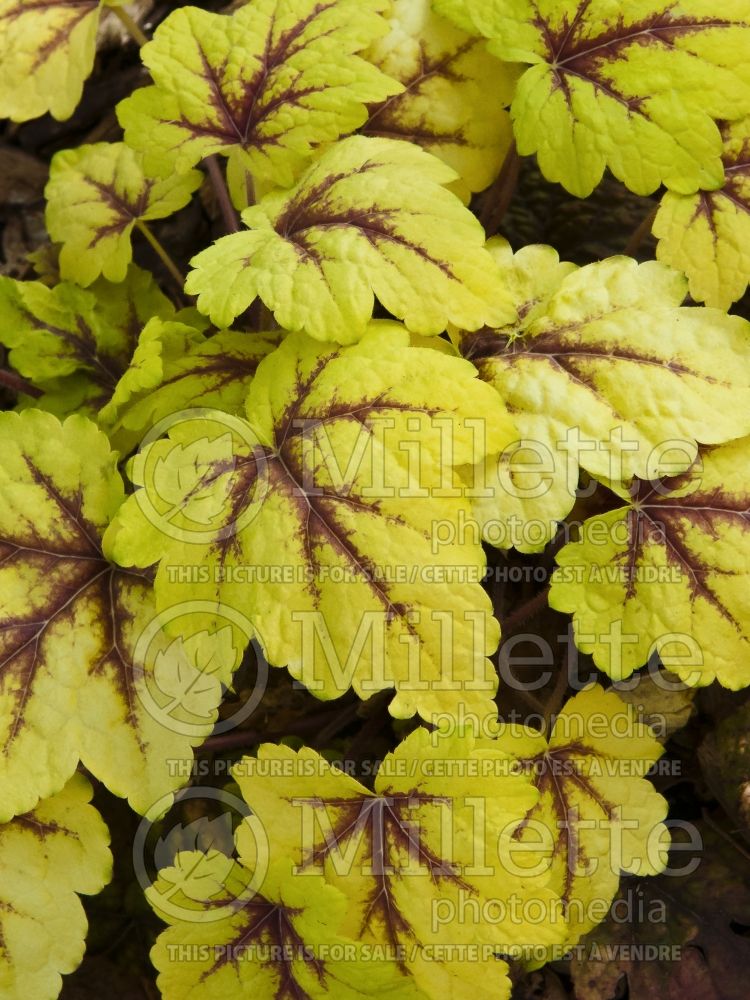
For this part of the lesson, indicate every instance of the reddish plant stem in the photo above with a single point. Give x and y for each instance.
(17, 384)
(526, 610)
(497, 198)
(641, 233)
(231, 220)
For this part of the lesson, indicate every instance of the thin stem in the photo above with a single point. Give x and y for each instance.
(496, 200)
(641, 233)
(17, 384)
(130, 25)
(162, 253)
(526, 610)
(231, 221)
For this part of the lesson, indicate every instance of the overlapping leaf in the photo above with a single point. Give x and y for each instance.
(597, 812)
(424, 839)
(446, 75)
(314, 522)
(75, 344)
(667, 573)
(46, 857)
(633, 87)
(707, 235)
(281, 942)
(76, 674)
(47, 50)
(369, 218)
(96, 195)
(266, 85)
(604, 371)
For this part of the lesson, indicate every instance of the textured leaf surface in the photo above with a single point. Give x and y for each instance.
(446, 75)
(71, 686)
(48, 855)
(370, 217)
(329, 523)
(667, 573)
(600, 813)
(76, 344)
(605, 370)
(281, 944)
(265, 85)
(47, 50)
(428, 833)
(633, 87)
(707, 235)
(95, 196)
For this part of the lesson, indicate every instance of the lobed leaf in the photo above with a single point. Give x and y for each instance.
(369, 218)
(634, 87)
(265, 86)
(95, 196)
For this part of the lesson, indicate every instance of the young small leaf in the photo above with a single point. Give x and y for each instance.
(634, 87)
(369, 218)
(76, 682)
(266, 85)
(315, 523)
(446, 75)
(595, 347)
(667, 573)
(95, 196)
(707, 235)
(46, 857)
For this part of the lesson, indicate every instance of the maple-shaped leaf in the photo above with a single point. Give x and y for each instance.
(265, 86)
(634, 87)
(75, 344)
(707, 235)
(79, 634)
(174, 367)
(46, 857)
(667, 573)
(324, 532)
(446, 76)
(581, 372)
(597, 810)
(47, 50)
(679, 936)
(425, 838)
(370, 218)
(279, 943)
(96, 195)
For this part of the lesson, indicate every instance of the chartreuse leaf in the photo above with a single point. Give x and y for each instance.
(667, 573)
(707, 235)
(597, 811)
(316, 517)
(75, 344)
(95, 196)
(604, 371)
(369, 218)
(47, 50)
(80, 636)
(265, 86)
(46, 857)
(633, 87)
(406, 854)
(280, 943)
(446, 75)
(175, 367)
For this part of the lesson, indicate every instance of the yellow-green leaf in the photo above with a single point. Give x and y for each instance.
(313, 520)
(634, 87)
(76, 673)
(667, 574)
(446, 75)
(607, 372)
(266, 85)
(369, 218)
(46, 857)
(597, 810)
(96, 195)
(707, 235)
